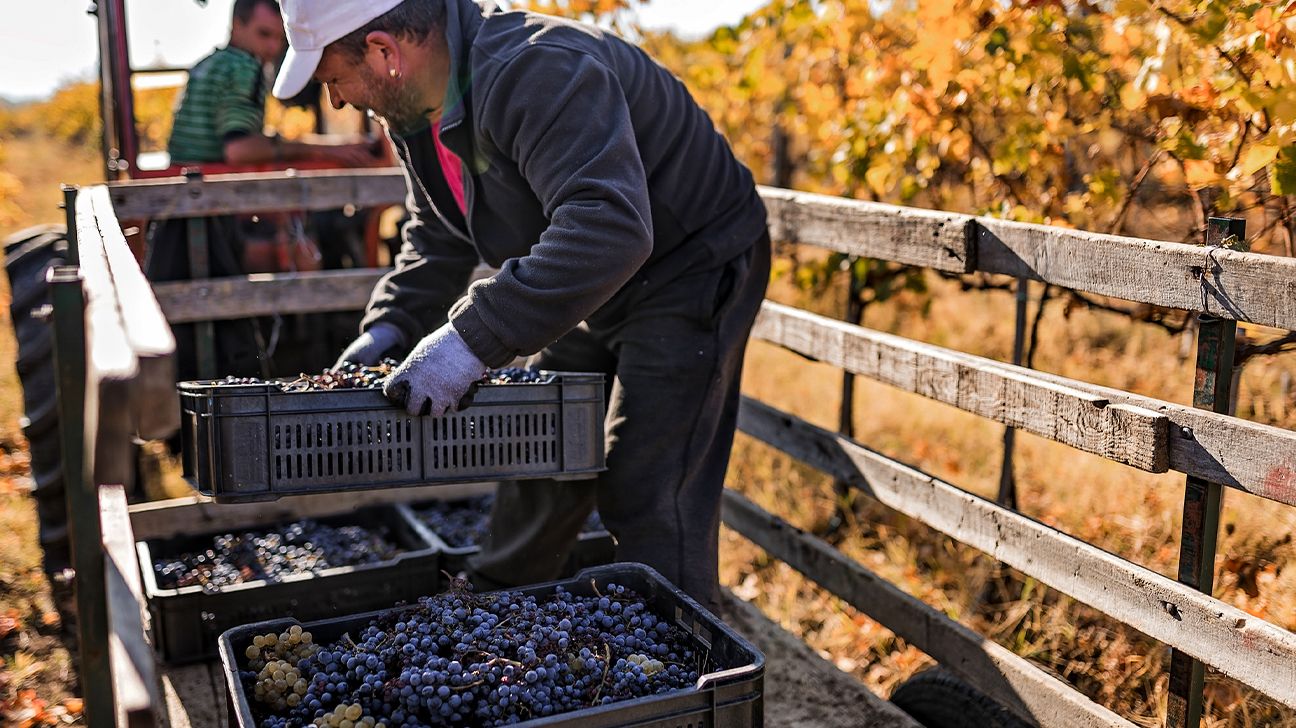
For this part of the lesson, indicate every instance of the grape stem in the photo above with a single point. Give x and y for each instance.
(607, 662)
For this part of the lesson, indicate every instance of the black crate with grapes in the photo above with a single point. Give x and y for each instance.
(616, 645)
(199, 585)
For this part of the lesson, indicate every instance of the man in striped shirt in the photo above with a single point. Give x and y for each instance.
(220, 115)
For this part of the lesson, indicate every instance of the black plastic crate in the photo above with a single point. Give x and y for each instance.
(249, 442)
(726, 698)
(594, 547)
(187, 621)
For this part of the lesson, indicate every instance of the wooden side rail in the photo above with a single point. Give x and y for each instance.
(1238, 644)
(928, 238)
(233, 194)
(1012, 680)
(1230, 284)
(111, 362)
(154, 406)
(1012, 395)
(134, 675)
(264, 294)
(1146, 433)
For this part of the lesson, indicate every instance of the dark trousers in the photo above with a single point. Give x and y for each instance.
(235, 343)
(673, 359)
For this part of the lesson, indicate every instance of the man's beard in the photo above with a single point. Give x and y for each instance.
(396, 104)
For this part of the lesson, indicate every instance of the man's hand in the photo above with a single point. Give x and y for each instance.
(436, 375)
(369, 347)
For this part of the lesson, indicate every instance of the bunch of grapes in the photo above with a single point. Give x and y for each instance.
(466, 522)
(359, 376)
(297, 548)
(348, 376)
(232, 380)
(519, 375)
(347, 716)
(488, 660)
(277, 658)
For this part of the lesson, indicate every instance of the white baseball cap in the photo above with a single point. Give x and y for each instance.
(313, 24)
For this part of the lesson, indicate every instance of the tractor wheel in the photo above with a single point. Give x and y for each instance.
(938, 699)
(29, 254)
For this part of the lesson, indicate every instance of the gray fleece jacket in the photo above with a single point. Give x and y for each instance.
(590, 173)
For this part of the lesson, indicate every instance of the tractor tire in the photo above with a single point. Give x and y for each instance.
(29, 254)
(938, 699)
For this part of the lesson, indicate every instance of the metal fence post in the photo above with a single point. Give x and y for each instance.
(1216, 340)
(73, 255)
(75, 401)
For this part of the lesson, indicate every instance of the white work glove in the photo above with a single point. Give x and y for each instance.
(436, 375)
(369, 347)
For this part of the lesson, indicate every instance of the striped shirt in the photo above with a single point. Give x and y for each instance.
(223, 99)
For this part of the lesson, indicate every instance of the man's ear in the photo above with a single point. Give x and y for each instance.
(383, 53)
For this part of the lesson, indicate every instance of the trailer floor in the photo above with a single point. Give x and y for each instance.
(802, 690)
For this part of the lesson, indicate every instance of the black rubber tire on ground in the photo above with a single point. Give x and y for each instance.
(28, 255)
(938, 699)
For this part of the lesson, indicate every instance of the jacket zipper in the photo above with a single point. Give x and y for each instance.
(409, 159)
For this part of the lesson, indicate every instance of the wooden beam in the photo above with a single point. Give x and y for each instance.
(233, 194)
(263, 294)
(927, 238)
(135, 682)
(1242, 286)
(1238, 644)
(153, 403)
(1012, 395)
(109, 356)
(1011, 680)
(111, 363)
(198, 514)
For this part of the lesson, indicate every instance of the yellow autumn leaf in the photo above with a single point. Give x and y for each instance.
(1256, 158)
(1199, 173)
(877, 176)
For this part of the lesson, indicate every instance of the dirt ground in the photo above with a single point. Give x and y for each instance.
(801, 688)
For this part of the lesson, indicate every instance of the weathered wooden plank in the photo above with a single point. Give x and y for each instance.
(232, 194)
(1011, 395)
(198, 514)
(1240, 645)
(995, 670)
(263, 294)
(927, 238)
(1259, 459)
(135, 682)
(111, 362)
(114, 458)
(1237, 285)
(108, 354)
(195, 696)
(153, 403)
